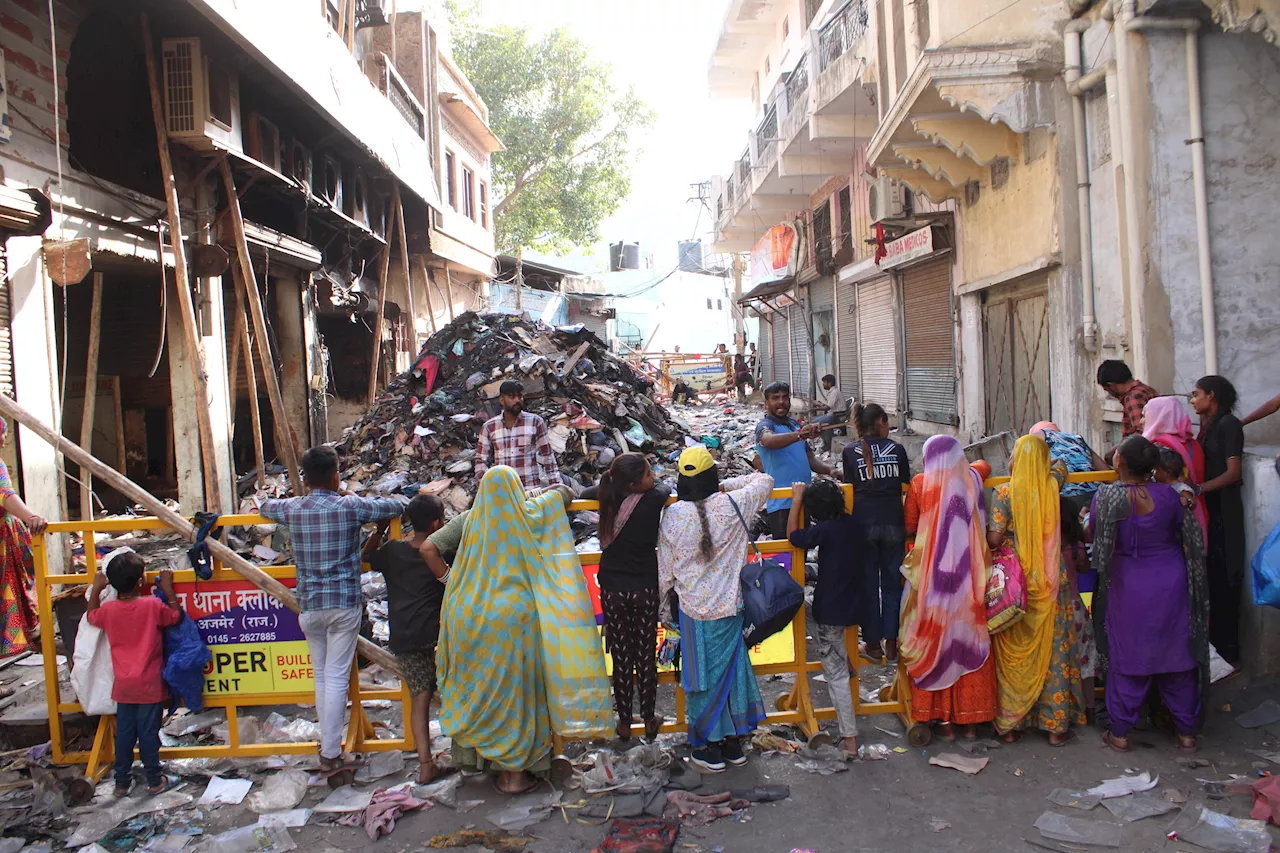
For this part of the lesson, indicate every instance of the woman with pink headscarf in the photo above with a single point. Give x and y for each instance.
(1166, 423)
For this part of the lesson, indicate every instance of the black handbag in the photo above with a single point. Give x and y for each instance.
(770, 596)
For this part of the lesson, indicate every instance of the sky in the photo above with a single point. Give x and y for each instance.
(663, 49)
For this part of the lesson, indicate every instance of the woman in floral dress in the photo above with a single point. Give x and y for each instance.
(1036, 659)
(16, 527)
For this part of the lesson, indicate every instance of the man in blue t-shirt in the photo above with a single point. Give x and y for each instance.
(785, 453)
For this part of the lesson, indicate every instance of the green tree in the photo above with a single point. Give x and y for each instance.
(568, 132)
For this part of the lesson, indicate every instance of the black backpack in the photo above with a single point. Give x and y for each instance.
(770, 596)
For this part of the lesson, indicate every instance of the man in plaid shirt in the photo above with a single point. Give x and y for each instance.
(1116, 379)
(518, 439)
(325, 527)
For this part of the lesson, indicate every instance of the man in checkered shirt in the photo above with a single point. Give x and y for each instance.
(325, 528)
(518, 439)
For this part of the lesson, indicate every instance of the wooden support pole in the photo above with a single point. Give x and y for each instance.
(90, 395)
(448, 289)
(384, 267)
(255, 413)
(119, 406)
(248, 282)
(233, 361)
(190, 328)
(426, 287)
(404, 265)
(175, 522)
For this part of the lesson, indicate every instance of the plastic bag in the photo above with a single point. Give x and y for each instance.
(185, 657)
(1266, 570)
(93, 676)
(280, 792)
(1006, 591)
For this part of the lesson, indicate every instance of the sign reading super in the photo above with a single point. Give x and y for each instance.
(256, 642)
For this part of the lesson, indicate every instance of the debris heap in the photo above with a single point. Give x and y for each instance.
(422, 429)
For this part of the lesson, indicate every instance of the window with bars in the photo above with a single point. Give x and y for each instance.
(844, 229)
(822, 235)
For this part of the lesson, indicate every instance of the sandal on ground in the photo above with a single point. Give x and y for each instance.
(866, 655)
(120, 793)
(428, 773)
(166, 783)
(1066, 739)
(1187, 743)
(947, 732)
(652, 728)
(1009, 736)
(1119, 744)
(527, 789)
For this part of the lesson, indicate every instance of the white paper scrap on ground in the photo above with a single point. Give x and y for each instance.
(293, 818)
(1122, 785)
(228, 792)
(345, 800)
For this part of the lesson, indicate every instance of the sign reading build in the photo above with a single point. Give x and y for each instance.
(257, 645)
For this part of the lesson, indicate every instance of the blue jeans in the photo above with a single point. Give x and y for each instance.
(138, 724)
(882, 585)
(828, 436)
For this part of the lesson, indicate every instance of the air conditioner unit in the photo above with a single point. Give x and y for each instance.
(357, 198)
(299, 165)
(201, 98)
(888, 199)
(326, 180)
(263, 142)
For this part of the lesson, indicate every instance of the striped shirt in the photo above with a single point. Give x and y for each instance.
(525, 447)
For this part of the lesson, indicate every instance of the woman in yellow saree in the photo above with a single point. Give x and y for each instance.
(1036, 664)
(520, 654)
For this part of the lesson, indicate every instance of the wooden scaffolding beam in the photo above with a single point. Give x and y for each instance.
(248, 283)
(190, 327)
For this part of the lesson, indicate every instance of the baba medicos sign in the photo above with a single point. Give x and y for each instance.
(257, 645)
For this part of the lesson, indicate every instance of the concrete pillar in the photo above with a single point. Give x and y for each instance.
(973, 408)
(35, 379)
(1259, 624)
(291, 341)
(212, 323)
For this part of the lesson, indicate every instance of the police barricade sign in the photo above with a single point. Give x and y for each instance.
(256, 642)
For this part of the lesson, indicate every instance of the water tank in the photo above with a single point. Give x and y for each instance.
(690, 255)
(624, 256)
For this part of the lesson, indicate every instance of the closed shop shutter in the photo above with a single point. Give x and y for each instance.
(930, 337)
(878, 344)
(799, 324)
(6, 338)
(847, 339)
(781, 350)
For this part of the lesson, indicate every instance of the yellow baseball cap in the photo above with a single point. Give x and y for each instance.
(694, 460)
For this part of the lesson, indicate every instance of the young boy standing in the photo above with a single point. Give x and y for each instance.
(325, 526)
(415, 593)
(133, 624)
(841, 542)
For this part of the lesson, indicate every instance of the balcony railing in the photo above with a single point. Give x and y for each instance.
(744, 172)
(798, 86)
(840, 35)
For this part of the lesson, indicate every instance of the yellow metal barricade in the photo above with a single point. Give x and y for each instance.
(361, 734)
(795, 707)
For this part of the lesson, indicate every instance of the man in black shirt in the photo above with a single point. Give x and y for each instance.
(415, 594)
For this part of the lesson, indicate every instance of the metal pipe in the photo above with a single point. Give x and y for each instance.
(1208, 314)
(1133, 233)
(1073, 38)
(1191, 26)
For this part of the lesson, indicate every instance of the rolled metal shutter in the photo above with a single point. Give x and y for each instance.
(781, 350)
(930, 337)
(6, 337)
(847, 339)
(800, 350)
(878, 344)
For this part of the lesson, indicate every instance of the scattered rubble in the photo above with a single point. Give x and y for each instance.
(422, 429)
